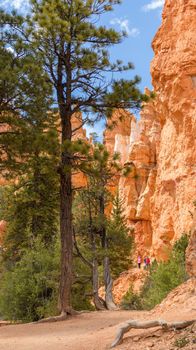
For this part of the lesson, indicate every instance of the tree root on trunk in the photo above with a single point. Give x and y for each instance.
(111, 306)
(125, 327)
(99, 303)
(62, 317)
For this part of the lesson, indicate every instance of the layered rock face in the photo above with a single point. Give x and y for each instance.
(173, 75)
(117, 133)
(138, 150)
(161, 188)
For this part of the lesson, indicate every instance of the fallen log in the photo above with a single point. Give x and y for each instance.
(125, 327)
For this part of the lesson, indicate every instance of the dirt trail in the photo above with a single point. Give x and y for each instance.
(97, 330)
(88, 331)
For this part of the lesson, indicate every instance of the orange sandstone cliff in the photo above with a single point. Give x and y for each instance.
(173, 76)
(161, 147)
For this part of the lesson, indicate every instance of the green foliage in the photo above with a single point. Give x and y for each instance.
(31, 210)
(82, 285)
(2, 200)
(163, 277)
(181, 342)
(120, 239)
(89, 222)
(28, 291)
(71, 30)
(131, 301)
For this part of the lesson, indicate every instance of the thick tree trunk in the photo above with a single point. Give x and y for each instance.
(66, 230)
(66, 242)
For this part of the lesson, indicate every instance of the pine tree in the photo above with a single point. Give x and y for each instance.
(120, 238)
(102, 171)
(87, 241)
(29, 145)
(73, 49)
(104, 239)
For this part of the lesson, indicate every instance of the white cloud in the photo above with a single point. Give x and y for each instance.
(125, 25)
(20, 5)
(153, 5)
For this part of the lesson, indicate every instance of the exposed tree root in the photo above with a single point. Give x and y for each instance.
(99, 303)
(125, 327)
(62, 317)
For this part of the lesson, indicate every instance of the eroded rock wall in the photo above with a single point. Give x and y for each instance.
(160, 191)
(173, 74)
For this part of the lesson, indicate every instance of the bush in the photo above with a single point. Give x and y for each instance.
(163, 277)
(131, 301)
(181, 342)
(28, 291)
(81, 296)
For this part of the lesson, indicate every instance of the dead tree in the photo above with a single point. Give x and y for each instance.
(125, 327)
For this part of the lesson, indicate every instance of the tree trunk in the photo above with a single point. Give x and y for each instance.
(65, 111)
(66, 231)
(66, 242)
(108, 281)
(99, 302)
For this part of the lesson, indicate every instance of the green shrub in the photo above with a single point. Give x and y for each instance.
(181, 342)
(131, 301)
(81, 295)
(165, 276)
(28, 291)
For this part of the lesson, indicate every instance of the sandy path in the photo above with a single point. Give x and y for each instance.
(90, 331)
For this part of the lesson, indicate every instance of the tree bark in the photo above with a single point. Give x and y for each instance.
(108, 282)
(125, 327)
(66, 242)
(66, 230)
(99, 302)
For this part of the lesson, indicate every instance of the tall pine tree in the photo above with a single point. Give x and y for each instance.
(29, 145)
(73, 49)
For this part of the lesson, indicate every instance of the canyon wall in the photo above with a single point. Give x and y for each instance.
(161, 188)
(173, 75)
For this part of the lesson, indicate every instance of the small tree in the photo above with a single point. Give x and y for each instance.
(87, 237)
(102, 172)
(120, 238)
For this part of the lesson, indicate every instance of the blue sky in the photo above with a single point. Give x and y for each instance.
(140, 18)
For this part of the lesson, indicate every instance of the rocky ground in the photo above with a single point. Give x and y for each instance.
(96, 330)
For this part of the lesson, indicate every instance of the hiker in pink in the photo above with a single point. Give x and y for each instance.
(139, 260)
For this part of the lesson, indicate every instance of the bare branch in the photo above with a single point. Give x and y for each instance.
(125, 327)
